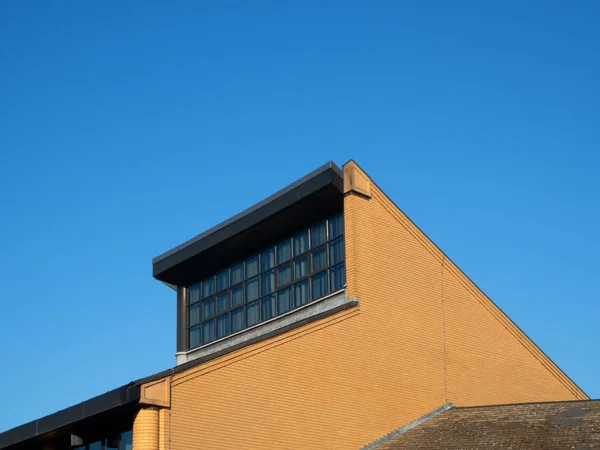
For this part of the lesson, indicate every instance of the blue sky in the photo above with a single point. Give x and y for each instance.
(126, 129)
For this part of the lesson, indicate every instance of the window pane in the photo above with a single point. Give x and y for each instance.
(267, 283)
(237, 320)
(223, 280)
(252, 314)
(194, 315)
(237, 274)
(96, 446)
(336, 226)
(251, 267)
(318, 235)
(300, 243)
(337, 277)
(284, 251)
(319, 259)
(267, 259)
(336, 252)
(284, 300)
(222, 326)
(208, 308)
(319, 285)
(223, 302)
(301, 293)
(194, 337)
(127, 440)
(208, 331)
(300, 268)
(251, 290)
(267, 308)
(284, 275)
(194, 294)
(237, 296)
(207, 287)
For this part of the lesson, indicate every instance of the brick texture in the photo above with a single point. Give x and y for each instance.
(145, 429)
(351, 378)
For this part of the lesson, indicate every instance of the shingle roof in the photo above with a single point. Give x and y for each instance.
(531, 426)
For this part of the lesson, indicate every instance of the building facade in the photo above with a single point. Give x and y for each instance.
(322, 317)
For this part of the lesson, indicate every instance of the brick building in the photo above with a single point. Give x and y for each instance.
(321, 317)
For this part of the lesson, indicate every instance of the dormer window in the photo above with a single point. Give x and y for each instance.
(300, 269)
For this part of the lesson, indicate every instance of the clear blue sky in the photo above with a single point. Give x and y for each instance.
(126, 129)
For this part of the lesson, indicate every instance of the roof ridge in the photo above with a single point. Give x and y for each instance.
(547, 402)
(409, 426)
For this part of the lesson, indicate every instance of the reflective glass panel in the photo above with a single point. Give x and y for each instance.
(318, 235)
(95, 446)
(319, 285)
(222, 280)
(336, 252)
(127, 440)
(337, 277)
(284, 300)
(300, 243)
(300, 268)
(194, 337)
(301, 293)
(284, 275)
(251, 267)
(194, 294)
(267, 259)
(284, 251)
(319, 259)
(222, 302)
(267, 283)
(208, 331)
(208, 308)
(267, 307)
(237, 296)
(252, 314)
(208, 287)
(237, 274)
(336, 226)
(222, 326)
(237, 320)
(194, 314)
(252, 290)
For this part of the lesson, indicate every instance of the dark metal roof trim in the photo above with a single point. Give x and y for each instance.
(326, 175)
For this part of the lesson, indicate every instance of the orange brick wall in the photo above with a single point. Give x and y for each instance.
(346, 380)
(145, 429)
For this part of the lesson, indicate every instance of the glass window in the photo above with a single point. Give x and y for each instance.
(237, 274)
(284, 251)
(336, 252)
(208, 331)
(127, 440)
(337, 277)
(251, 267)
(284, 275)
(319, 285)
(194, 315)
(284, 300)
(267, 283)
(207, 287)
(318, 235)
(222, 326)
(336, 226)
(208, 308)
(267, 307)
(237, 320)
(222, 280)
(194, 337)
(95, 446)
(252, 290)
(194, 294)
(237, 296)
(267, 259)
(319, 259)
(252, 314)
(223, 302)
(301, 293)
(300, 243)
(300, 268)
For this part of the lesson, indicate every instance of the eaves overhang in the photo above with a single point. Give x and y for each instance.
(310, 198)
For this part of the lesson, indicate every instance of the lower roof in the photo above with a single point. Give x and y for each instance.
(531, 426)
